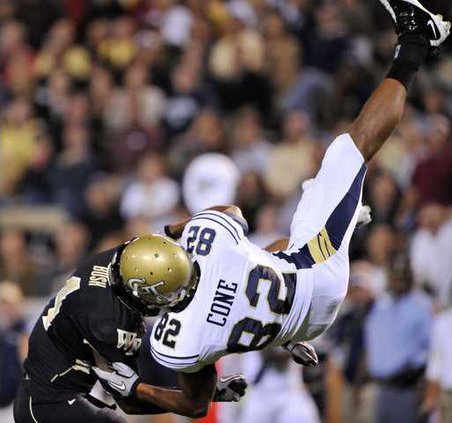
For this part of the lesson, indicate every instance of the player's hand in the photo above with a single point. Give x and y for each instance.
(122, 379)
(302, 353)
(230, 388)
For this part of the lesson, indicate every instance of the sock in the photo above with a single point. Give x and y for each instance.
(410, 54)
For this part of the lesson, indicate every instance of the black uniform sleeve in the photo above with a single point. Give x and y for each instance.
(103, 338)
(107, 342)
(110, 330)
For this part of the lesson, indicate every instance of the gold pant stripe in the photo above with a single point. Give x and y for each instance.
(321, 247)
(326, 239)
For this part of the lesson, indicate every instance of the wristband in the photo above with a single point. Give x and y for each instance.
(133, 390)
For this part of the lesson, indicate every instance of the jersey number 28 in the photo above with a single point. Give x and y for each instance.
(200, 241)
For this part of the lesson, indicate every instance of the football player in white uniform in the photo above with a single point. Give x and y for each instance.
(246, 298)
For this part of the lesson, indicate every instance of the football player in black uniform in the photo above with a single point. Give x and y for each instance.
(97, 319)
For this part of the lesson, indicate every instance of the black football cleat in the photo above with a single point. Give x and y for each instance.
(411, 17)
(302, 353)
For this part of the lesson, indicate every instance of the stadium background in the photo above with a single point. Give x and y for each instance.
(105, 103)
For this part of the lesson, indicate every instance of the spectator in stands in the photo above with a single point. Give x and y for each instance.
(185, 100)
(431, 252)
(282, 59)
(16, 59)
(432, 176)
(236, 62)
(118, 49)
(138, 104)
(277, 394)
(380, 248)
(266, 231)
(383, 198)
(294, 152)
(71, 246)
(250, 150)
(52, 102)
(35, 185)
(18, 132)
(251, 195)
(150, 183)
(205, 135)
(397, 338)
(13, 341)
(348, 350)
(73, 169)
(102, 201)
(15, 261)
(327, 41)
(439, 368)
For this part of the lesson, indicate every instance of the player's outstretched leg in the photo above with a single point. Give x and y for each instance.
(420, 32)
(329, 208)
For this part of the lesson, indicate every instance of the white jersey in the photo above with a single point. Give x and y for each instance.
(246, 298)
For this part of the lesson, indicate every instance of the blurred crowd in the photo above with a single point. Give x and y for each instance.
(119, 116)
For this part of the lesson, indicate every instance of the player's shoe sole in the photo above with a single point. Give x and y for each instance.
(412, 16)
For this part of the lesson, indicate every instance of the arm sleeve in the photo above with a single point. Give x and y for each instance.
(209, 232)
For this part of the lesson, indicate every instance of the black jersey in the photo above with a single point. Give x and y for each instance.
(84, 319)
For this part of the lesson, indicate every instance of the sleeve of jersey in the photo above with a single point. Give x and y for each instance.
(210, 231)
(179, 359)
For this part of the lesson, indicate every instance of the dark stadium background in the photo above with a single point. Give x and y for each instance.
(105, 103)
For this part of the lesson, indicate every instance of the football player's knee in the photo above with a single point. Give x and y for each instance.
(363, 143)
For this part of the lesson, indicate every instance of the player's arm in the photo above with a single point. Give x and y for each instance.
(175, 230)
(192, 400)
(279, 245)
(136, 406)
(197, 391)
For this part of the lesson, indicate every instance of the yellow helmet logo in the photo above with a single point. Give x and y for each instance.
(154, 270)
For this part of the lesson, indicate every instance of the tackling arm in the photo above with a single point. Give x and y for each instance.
(192, 400)
(136, 397)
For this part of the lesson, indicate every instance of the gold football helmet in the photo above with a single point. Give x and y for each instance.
(150, 272)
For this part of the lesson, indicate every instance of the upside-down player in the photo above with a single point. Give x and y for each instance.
(248, 298)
